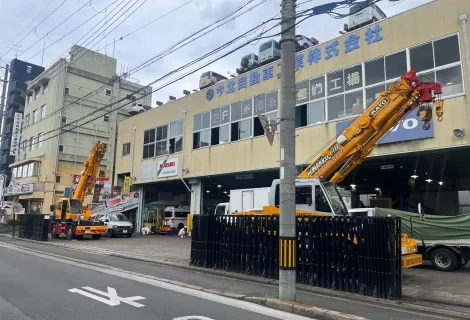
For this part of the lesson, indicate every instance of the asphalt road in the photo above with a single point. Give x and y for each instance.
(371, 310)
(37, 288)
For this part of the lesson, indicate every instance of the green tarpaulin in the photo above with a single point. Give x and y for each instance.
(430, 227)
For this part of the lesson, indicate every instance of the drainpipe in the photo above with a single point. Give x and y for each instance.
(182, 153)
(463, 18)
(133, 148)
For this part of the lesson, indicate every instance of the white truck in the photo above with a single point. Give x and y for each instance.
(444, 255)
(244, 200)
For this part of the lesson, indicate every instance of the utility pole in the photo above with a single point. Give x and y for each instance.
(2, 99)
(287, 236)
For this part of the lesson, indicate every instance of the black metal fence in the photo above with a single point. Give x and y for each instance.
(34, 226)
(354, 254)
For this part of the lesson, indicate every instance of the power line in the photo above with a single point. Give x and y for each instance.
(74, 29)
(145, 25)
(57, 8)
(161, 55)
(63, 21)
(62, 130)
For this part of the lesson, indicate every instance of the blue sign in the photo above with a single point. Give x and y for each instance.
(410, 128)
(314, 55)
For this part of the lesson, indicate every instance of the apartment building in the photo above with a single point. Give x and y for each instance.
(68, 107)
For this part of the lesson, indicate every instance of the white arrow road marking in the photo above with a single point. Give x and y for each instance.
(113, 298)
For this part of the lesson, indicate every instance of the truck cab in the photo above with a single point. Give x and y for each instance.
(312, 196)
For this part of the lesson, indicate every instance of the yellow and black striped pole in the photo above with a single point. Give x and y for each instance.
(287, 253)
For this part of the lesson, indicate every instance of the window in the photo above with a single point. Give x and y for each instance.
(27, 120)
(421, 57)
(375, 71)
(57, 179)
(37, 93)
(303, 195)
(316, 112)
(13, 172)
(67, 90)
(105, 146)
(395, 65)
(102, 173)
(451, 80)
(108, 92)
(30, 99)
(40, 137)
(321, 204)
(64, 120)
(126, 148)
(160, 141)
(176, 137)
(61, 148)
(35, 116)
(25, 143)
(31, 144)
(43, 111)
(354, 104)
(373, 93)
(446, 51)
(201, 130)
(45, 88)
(336, 107)
(106, 118)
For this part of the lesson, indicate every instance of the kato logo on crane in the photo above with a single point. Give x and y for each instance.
(378, 107)
(327, 157)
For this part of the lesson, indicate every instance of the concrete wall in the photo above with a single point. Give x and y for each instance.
(425, 23)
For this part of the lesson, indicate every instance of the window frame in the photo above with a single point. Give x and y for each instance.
(106, 118)
(107, 92)
(43, 111)
(35, 116)
(167, 140)
(40, 138)
(126, 146)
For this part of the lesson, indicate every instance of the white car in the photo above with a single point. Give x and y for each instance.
(117, 224)
(304, 42)
(137, 108)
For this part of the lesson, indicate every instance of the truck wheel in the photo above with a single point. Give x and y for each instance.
(443, 259)
(96, 236)
(70, 234)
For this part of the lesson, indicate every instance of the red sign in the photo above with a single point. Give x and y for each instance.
(167, 165)
(113, 202)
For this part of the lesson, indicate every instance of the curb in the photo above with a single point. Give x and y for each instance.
(302, 309)
(407, 302)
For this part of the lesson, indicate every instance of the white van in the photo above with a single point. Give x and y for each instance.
(176, 217)
(117, 224)
(370, 14)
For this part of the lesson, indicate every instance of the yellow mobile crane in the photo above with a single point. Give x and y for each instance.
(353, 145)
(71, 217)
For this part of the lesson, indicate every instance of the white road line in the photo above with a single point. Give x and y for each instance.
(251, 307)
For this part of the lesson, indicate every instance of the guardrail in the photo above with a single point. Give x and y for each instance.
(354, 254)
(34, 226)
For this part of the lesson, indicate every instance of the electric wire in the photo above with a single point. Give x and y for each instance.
(157, 57)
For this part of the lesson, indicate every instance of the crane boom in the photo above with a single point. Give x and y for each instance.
(88, 175)
(356, 142)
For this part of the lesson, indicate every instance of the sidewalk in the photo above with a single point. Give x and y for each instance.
(421, 285)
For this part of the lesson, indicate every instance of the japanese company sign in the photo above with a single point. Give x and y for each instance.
(15, 135)
(167, 168)
(126, 188)
(408, 129)
(19, 189)
(313, 56)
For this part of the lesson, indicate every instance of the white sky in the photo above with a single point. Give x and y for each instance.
(165, 33)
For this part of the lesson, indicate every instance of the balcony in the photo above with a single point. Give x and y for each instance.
(16, 100)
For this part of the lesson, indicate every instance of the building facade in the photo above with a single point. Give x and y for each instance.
(69, 106)
(20, 73)
(212, 141)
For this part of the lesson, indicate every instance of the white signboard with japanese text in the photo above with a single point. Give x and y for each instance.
(167, 168)
(15, 135)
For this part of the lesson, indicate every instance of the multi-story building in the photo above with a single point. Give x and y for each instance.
(212, 140)
(69, 106)
(20, 73)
